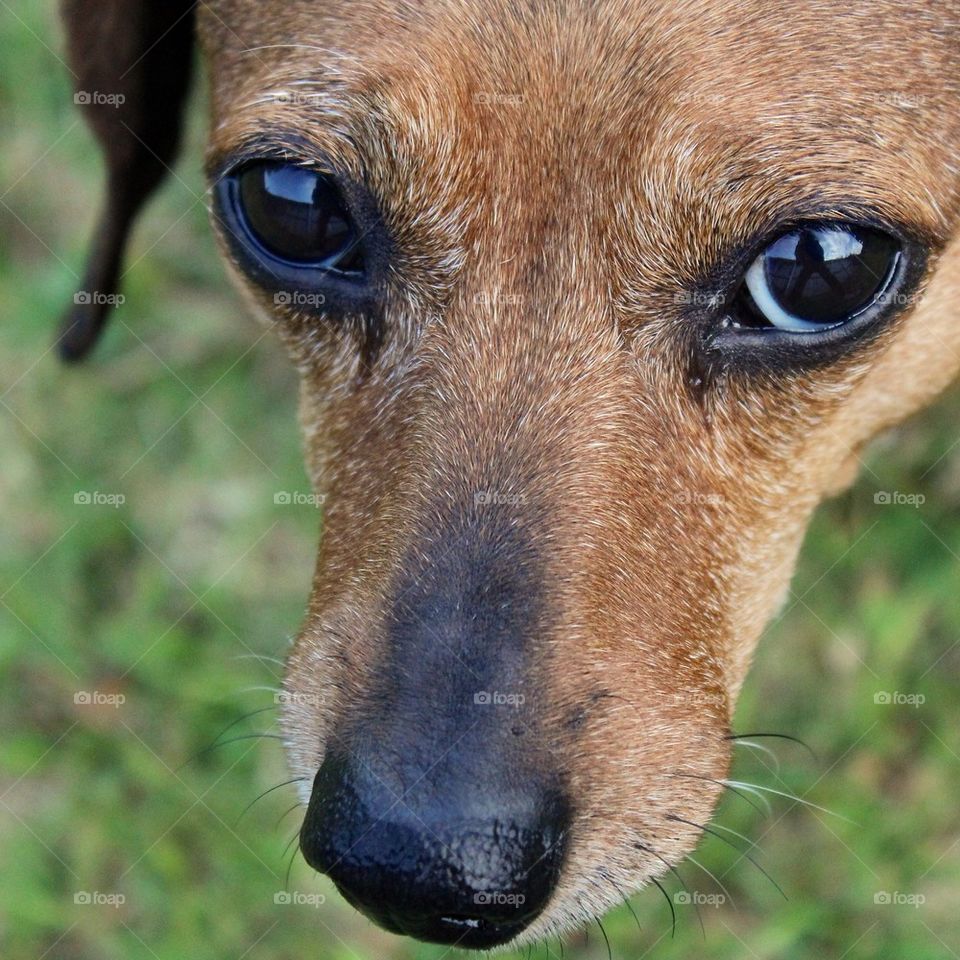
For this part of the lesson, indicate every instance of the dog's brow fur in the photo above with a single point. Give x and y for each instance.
(551, 181)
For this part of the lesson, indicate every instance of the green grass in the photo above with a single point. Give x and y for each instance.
(168, 600)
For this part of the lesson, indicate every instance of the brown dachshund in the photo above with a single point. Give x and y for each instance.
(593, 302)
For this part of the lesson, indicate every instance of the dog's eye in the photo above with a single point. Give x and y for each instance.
(295, 215)
(817, 277)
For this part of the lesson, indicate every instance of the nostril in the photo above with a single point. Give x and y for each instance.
(431, 866)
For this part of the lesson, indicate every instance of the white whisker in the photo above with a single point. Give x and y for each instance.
(761, 748)
(258, 656)
(752, 790)
(789, 796)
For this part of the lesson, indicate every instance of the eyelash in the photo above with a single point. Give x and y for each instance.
(723, 346)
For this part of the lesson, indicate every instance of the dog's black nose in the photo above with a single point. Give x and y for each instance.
(444, 860)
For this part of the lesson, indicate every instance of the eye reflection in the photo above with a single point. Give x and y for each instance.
(819, 276)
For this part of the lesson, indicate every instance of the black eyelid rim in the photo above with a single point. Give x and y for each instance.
(237, 224)
(890, 278)
(719, 347)
(758, 350)
(345, 292)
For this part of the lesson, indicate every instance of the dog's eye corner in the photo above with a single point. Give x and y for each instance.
(818, 277)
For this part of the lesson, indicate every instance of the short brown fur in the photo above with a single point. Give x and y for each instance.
(555, 179)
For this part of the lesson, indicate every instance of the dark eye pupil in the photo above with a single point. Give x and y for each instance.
(826, 274)
(296, 214)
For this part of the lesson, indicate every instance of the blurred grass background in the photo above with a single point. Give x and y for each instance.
(179, 600)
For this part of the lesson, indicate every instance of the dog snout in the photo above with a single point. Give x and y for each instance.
(445, 862)
(439, 807)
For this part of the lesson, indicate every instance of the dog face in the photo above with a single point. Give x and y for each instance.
(592, 305)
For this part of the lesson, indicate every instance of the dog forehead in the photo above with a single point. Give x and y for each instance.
(634, 42)
(685, 99)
